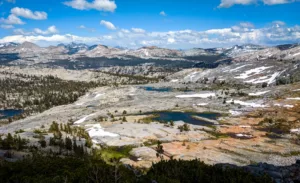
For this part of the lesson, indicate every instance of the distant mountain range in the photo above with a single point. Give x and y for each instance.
(144, 52)
(32, 53)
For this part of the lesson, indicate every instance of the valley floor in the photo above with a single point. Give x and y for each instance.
(255, 125)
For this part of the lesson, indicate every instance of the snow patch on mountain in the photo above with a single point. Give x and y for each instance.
(252, 72)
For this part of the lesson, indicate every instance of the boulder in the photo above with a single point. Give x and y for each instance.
(143, 152)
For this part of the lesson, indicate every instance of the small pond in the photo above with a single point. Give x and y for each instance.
(165, 89)
(187, 117)
(150, 88)
(9, 113)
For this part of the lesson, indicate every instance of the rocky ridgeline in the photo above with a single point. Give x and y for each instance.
(75, 51)
(280, 174)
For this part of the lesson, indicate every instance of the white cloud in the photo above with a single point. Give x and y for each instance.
(108, 25)
(125, 31)
(181, 39)
(138, 30)
(279, 23)
(273, 2)
(6, 26)
(229, 3)
(12, 19)
(27, 13)
(246, 25)
(51, 30)
(163, 13)
(242, 27)
(100, 5)
(37, 31)
(82, 27)
(54, 39)
(22, 32)
(108, 37)
(171, 40)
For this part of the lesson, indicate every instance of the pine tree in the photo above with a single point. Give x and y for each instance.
(68, 143)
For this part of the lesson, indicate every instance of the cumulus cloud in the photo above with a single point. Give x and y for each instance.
(125, 31)
(229, 3)
(108, 25)
(171, 40)
(27, 13)
(22, 32)
(53, 39)
(16, 13)
(51, 30)
(246, 25)
(181, 39)
(278, 23)
(273, 2)
(138, 30)
(163, 13)
(12, 19)
(36, 32)
(100, 5)
(242, 27)
(6, 26)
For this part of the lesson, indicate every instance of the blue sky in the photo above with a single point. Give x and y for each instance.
(165, 23)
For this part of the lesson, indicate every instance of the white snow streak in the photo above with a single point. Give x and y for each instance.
(252, 72)
(97, 131)
(98, 95)
(238, 68)
(250, 104)
(235, 113)
(202, 104)
(264, 79)
(203, 95)
(259, 93)
(83, 119)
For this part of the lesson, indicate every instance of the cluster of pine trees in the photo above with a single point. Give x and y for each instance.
(90, 169)
(66, 142)
(34, 94)
(10, 142)
(37, 94)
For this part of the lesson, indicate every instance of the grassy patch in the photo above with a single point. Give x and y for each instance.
(115, 152)
(275, 126)
(19, 131)
(38, 131)
(148, 119)
(217, 134)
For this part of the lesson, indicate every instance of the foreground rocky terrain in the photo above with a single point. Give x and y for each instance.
(254, 100)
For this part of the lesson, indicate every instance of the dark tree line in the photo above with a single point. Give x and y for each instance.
(37, 94)
(10, 142)
(55, 169)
